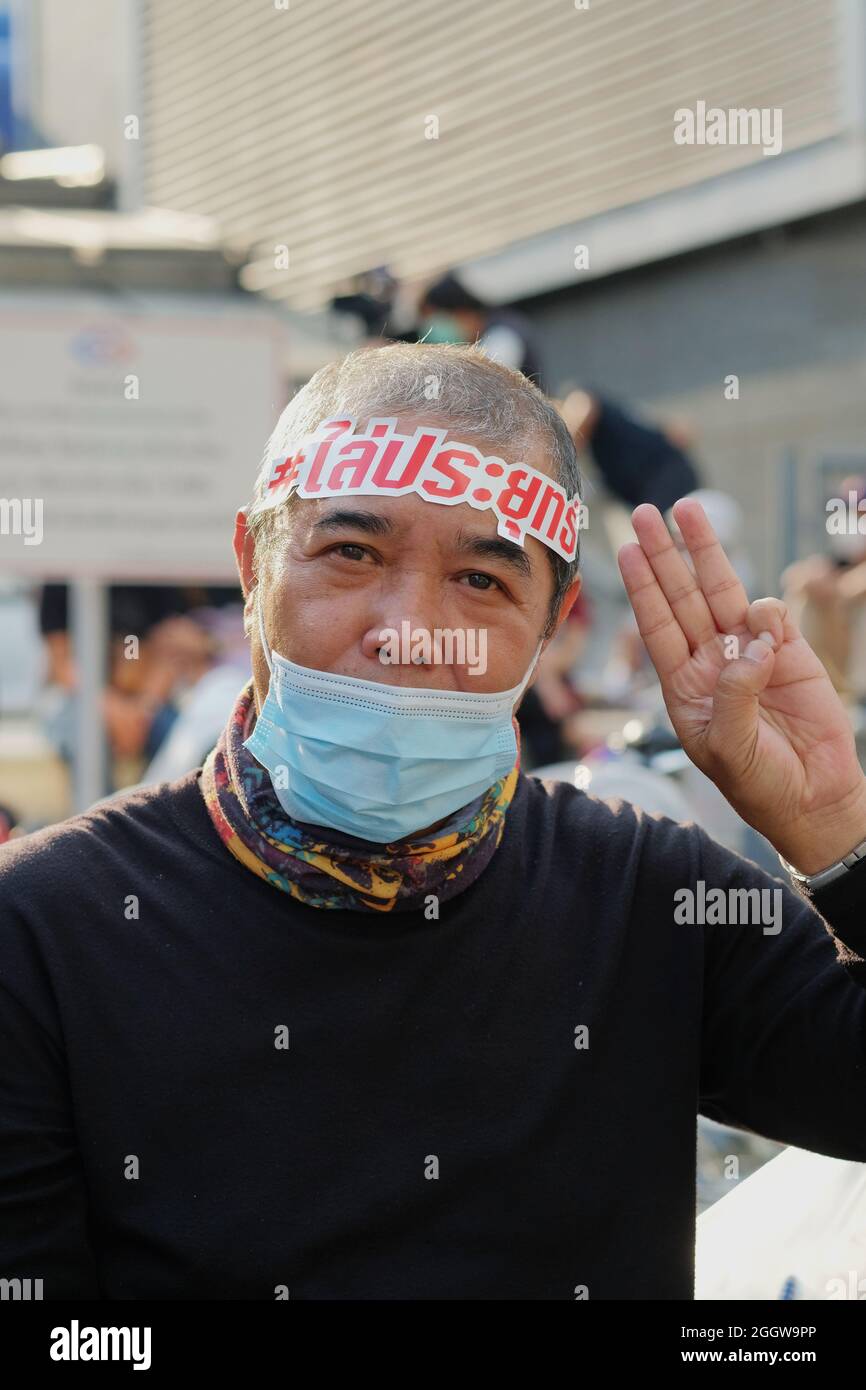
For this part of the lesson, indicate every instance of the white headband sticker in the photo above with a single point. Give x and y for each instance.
(336, 462)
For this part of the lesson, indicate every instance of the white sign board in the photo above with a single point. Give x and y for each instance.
(129, 436)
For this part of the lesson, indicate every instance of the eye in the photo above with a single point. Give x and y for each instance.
(479, 580)
(349, 551)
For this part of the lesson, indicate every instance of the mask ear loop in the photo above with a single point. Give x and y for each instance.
(529, 674)
(266, 649)
(520, 689)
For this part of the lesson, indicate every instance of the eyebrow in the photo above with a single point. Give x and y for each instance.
(494, 548)
(372, 522)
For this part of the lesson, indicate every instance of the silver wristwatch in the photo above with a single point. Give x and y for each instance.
(820, 880)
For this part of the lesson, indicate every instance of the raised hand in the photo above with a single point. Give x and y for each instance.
(758, 714)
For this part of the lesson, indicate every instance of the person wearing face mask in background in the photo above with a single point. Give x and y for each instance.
(637, 461)
(450, 313)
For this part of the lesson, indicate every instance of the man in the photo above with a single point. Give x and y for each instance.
(826, 593)
(360, 1011)
(639, 463)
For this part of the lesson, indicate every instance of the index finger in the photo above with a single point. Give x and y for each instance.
(727, 599)
(663, 636)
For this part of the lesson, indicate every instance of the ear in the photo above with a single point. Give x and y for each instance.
(568, 602)
(244, 548)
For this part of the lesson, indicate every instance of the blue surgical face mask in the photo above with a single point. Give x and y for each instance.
(378, 761)
(443, 328)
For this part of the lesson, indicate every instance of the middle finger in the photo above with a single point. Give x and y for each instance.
(718, 579)
(678, 584)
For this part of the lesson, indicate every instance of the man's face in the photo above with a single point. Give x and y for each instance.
(346, 570)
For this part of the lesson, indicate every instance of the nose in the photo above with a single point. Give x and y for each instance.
(402, 642)
(412, 607)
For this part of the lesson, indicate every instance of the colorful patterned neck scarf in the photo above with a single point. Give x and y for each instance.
(341, 871)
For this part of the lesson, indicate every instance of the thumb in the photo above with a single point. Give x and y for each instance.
(734, 722)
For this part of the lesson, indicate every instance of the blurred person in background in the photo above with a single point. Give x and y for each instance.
(638, 462)
(371, 298)
(548, 713)
(203, 709)
(450, 313)
(146, 682)
(826, 594)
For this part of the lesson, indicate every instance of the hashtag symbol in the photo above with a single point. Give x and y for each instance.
(287, 471)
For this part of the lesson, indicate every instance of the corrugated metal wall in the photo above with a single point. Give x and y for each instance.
(308, 126)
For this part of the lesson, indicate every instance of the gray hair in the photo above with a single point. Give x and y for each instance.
(455, 384)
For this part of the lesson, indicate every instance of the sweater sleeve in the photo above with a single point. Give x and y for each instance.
(43, 1201)
(784, 1020)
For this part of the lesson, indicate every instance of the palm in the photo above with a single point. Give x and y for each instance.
(784, 750)
(802, 740)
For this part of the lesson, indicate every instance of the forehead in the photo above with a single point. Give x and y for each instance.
(409, 517)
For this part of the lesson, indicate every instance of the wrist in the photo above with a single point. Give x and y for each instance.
(825, 839)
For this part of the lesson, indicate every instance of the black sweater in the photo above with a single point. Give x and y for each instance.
(432, 1130)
